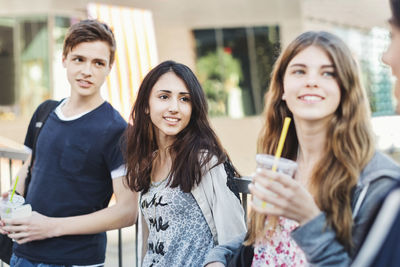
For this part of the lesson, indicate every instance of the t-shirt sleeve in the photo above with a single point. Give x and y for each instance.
(30, 136)
(119, 172)
(113, 154)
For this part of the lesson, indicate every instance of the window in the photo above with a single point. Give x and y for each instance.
(34, 62)
(25, 62)
(234, 66)
(7, 67)
(368, 47)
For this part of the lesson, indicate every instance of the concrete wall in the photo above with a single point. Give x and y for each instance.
(239, 137)
(175, 19)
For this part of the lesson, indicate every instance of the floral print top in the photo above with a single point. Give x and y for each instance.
(280, 249)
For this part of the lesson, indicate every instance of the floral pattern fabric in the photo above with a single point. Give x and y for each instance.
(279, 249)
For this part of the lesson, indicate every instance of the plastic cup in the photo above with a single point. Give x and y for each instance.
(282, 165)
(14, 209)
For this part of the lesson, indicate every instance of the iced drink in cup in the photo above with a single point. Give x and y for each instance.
(15, 208)
(269, 162)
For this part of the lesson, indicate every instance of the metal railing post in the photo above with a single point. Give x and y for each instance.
(136, 243)
(242, 184)
(10, 170)
(119, 247)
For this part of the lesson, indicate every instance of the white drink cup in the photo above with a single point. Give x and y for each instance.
(14, 209)
(265, 161)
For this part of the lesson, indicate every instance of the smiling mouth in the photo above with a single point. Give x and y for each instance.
(171, 119)
(311, 98)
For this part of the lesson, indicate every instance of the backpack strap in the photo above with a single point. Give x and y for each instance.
(230, 173)
(43, 112)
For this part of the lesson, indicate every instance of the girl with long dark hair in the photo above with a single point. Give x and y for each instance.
(175, 160)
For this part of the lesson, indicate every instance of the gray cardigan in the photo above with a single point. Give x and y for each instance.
(221, 208)
(318, 242)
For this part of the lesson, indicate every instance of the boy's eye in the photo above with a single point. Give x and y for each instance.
(100, 63)
(77, 59)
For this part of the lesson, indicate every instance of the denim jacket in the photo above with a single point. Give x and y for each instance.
(318, 241)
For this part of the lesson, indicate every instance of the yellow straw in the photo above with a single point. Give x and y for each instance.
(12, 194)
(278, 152)
(282, 139)
(13, 191)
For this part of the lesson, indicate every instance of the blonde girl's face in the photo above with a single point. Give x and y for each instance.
(170, 106)
(311, 90)
(392, 55)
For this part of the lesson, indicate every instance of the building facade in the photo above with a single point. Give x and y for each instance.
(231, 45)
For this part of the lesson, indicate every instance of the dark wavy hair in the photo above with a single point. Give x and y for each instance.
(191, 151)
(395, 8)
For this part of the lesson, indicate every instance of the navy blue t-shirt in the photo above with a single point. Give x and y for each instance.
(70, 177)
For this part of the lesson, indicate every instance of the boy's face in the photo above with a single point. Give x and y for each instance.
(88, 65)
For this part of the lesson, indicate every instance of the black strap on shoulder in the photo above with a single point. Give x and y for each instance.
(43, 112)
(230, 173)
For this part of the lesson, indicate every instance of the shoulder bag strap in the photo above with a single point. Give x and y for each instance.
(43, 113)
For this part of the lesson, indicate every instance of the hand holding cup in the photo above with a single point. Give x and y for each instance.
(287, 197)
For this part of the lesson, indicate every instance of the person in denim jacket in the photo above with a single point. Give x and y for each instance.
(340, 176)
(382, 245)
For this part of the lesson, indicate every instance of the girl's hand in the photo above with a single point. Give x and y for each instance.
(34, 227)
(291, 199)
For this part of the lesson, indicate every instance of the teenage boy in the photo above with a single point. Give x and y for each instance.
(78, 165)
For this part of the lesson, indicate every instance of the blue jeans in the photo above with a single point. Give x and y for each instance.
(16, 261)
(22, 262)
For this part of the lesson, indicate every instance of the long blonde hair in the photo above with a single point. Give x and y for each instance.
(349, 142)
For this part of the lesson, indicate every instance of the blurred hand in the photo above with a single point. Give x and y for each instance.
(34, 227)
(2, 224)
(291, 199)
(215, 264)
(5, 194)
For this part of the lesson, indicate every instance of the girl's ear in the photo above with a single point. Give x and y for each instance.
(283, 96)
(146, 111)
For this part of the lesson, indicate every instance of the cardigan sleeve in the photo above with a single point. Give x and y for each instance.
(224, 252)
(227, 211)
